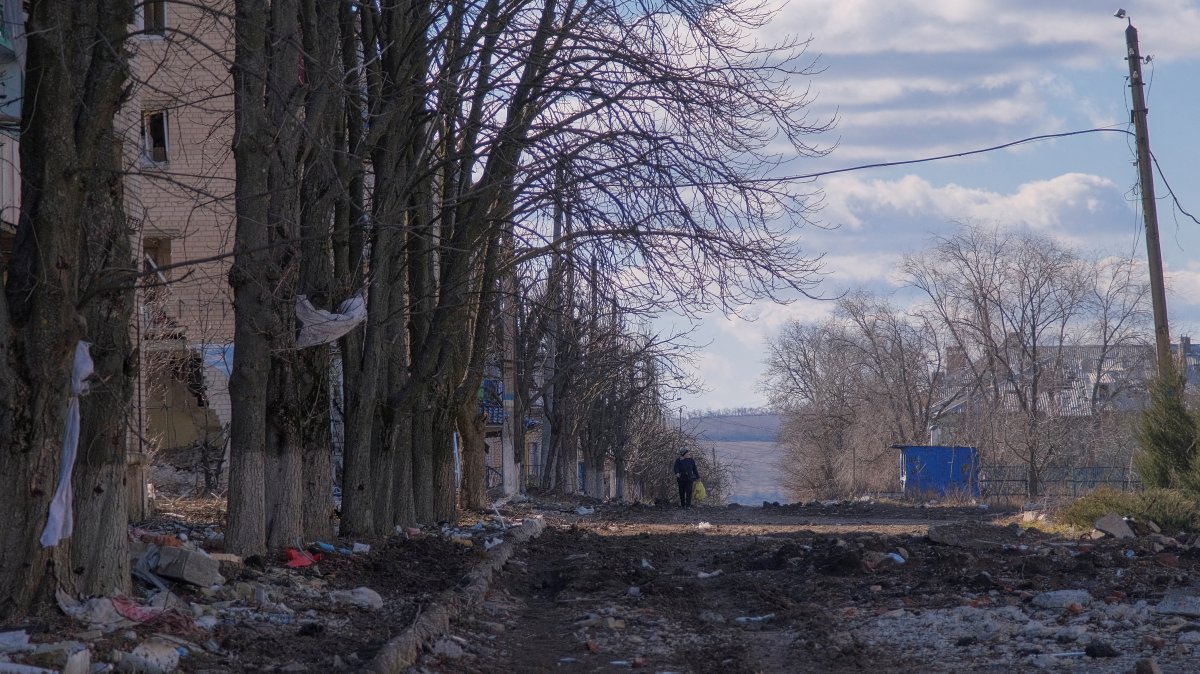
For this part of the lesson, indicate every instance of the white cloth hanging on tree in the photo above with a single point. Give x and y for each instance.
(61, 521)
(318, 326)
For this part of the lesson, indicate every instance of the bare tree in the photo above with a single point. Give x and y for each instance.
(811, 378)
(64, 267)
(1010, 302)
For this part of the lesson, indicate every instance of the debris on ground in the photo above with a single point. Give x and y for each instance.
(841, 587)
(197, 608)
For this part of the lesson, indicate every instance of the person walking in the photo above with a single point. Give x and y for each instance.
(686, 475)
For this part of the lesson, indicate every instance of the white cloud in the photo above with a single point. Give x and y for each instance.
(1183, 288)
(1062, 205)
(950, 26)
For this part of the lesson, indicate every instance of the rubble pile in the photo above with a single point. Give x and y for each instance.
(325, 607)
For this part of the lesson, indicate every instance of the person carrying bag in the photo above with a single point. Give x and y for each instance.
(687, 475)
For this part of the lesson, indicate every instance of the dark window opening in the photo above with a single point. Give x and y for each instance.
(154, 132)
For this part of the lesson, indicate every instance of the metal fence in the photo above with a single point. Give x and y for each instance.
(1000, 481)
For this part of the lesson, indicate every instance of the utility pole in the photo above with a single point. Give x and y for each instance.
(1158, 293)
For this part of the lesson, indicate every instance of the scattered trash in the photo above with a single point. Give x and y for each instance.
(161, 540)
(647, 565)
(362, 597)
(156, 656)
(704, 525)
(492, 542)
(584, 510)
(755, 619)
(298, 559)
(567, 660)
(95, 611)
(706, 574)
(361, 548)
(188, 566)
(14, 642)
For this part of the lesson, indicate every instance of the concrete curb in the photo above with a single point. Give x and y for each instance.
(403, 650)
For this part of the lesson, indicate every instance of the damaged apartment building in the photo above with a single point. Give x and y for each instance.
(176, 129)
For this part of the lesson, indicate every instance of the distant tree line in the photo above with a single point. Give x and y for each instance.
(1018, 344)
(728, 412)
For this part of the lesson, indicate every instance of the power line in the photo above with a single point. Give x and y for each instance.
(993, 148)
(953, 155)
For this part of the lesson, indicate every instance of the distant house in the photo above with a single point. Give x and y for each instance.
(1067, 381)
(1075, 407)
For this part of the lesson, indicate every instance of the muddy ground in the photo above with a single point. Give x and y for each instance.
(852, 588)
(849, 587)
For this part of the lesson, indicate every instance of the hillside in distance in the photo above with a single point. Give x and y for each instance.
(740, 428)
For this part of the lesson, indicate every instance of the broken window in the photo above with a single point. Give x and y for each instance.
(154, 135)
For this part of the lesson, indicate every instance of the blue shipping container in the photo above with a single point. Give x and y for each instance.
(935, 469)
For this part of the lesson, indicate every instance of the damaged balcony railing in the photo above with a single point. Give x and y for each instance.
(157, 322)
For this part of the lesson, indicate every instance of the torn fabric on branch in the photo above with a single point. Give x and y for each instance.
(318, 326)
(61, 521)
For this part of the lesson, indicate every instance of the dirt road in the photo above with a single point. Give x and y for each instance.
(852, 588)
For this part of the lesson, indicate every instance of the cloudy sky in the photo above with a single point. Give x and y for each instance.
(916, 79)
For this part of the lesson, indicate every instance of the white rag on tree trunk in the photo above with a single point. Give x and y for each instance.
(62, 516)
(318, 326)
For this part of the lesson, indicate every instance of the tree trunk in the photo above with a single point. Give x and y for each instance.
(422, 453)
(620, 470)
(282, 488)
(383, 468)
(442, 455)
(399, 426)
(321, 192)
(77, 65)
(472, 455)
(361, 401)
(99, 551)
(245, 532)
(595, 477)
(402, 484)
(567, 481)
